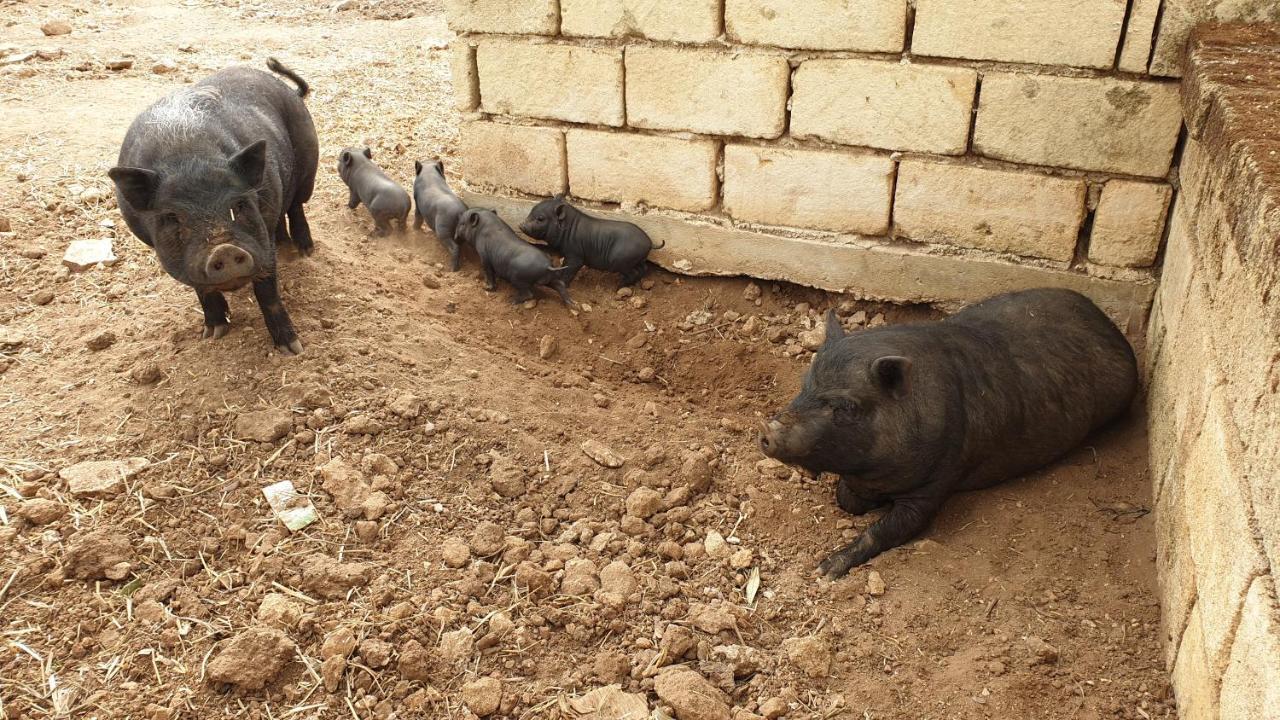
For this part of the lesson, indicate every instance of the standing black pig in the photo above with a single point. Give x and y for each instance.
(908, 415)
(611, 245)
(383, 196)
(207, 176)
(436, 203)
(503, 254)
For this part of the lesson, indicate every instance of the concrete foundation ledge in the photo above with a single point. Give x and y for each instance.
(870, 269)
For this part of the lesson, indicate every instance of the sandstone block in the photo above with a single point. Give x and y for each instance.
(661, 171)
(466, 83)
(1194, 684)
(556, 82)
(1249, 685)
(884, 105)
(528, 159)
(839, 191)
(1081, 33)
(686, 21)
(1128, 223)
(1139, 36)
(1003, 211)
(1101, 124)
(707, 91)
(1180, 16)
(522, 17)
(864, 25)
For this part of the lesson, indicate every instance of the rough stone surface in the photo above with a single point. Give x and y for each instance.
(884, 104)
(823, 190)
(280, 610)
(662, 171)
(527, 17)
(528, 159)
(98, 555)
(1179, 17)
(466, 82)
(252, 659)
(1004, 211)
(101, 478)
(1139, 36)
(811, 654)
(874, 271)
(1128, 223)
(864, 25)
(1193, 681)
(1249, 685)
(555, 82)
(39, 511)
(685, 21)
(707, 91)
(266, 425)
(1102, 124)
(610, 703)
(1082, 33)
(691, 695)
(482, 696)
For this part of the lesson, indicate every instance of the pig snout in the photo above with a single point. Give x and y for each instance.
(769, 436)
(781, 440)
(228, 263)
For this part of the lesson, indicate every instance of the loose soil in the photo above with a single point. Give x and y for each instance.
(470, 556)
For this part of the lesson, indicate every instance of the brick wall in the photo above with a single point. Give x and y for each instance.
(1028, 141)
(1213, 359)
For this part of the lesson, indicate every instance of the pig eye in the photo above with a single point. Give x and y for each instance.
(167, 220)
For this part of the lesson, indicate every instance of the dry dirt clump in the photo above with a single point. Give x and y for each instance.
(522, 513)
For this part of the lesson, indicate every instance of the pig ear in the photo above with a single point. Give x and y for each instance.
(892, 373)
(417, 167)
(368, 153)
(835, 331)
(560, 212)
(250, 163)
(475, 219)
(560, 197)
(136, 185)
(440, 167)
(345, 158)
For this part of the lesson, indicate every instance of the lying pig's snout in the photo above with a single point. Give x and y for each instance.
(228, 263)
(769, 437)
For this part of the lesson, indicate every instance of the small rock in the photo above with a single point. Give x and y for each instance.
(646, 374)
(643, 502)
(164, 66)
(97, 555)
(488, 539)
(42, 297)
(406, 405)
(535, 580)
(146, 373)
(101, 341)
(54, 28)
(482, 696)
(456, 646)
(338, 643)
(617, 584)
(601, 454)
(101, 478)
(11, 338)
(743, 659)
(267, 425)
(361, 425)
(711, 619)
(691, 695)
(751, 292)
(430, 281)
(252, 659)
(367, 530)
(346, 485)
(877, 320)
(610, 703)
(6, 226)
(415, 662)
(39, 511)
(375, 653)
(330, 579)
(119, 64)
(676, 642)
(455, 553)
(611, 666)
(715, 545)
(1041, 651)
(546, 347)
(696, 471)
(774, 707)
(278, 609)
(342, 5)
(331, 671)
(810, 654)
(812, 339)
(740, 559)
(875, 584)
(580, 577)
(47, 54)
(506, 478)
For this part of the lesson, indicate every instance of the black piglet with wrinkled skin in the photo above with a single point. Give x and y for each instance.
(435, 203)
(386, 200)
(908, 415)
(610, 245)
(503, 254)
(208, 175)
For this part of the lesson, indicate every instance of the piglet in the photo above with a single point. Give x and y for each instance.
(503, 254)
(383, 196)
(610, 245)
(438, 206)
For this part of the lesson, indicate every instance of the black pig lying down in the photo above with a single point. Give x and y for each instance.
(384, 197)
(207, 176)
(503, 254)
(908, 415)
(611, 245)
(435, 203)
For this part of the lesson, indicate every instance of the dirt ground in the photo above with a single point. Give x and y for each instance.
(470, 556)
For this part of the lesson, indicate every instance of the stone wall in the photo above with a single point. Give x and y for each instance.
(1213, 360)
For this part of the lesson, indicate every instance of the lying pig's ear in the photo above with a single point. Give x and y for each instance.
(892, 373)
(417, 167)
(835, 331)
(560, 212)
(440, 167)
(475, 219)
(250, 163)
(368, 153)
(346, 158)
(136, 185)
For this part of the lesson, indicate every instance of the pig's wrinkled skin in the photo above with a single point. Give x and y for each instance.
(503, 254)
(907, 415)
(207, 177)
(610, 245)
(384, 197)
(435, 203)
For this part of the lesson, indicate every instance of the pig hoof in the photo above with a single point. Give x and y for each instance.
(836, 566)
(213, 332)
(293, 348)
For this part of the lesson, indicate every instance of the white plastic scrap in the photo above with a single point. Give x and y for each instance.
(293, 508)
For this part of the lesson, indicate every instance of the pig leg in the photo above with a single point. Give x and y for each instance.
(632, 276)
(908, 517)
(572, 264)
(381, 227)
(277, 318)
(282, 232)
(490, 281)
(215, 314)
(300, 230)
(523, 293)
(851, 502)
(353, 201)
(563, 290)
(417, 220)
